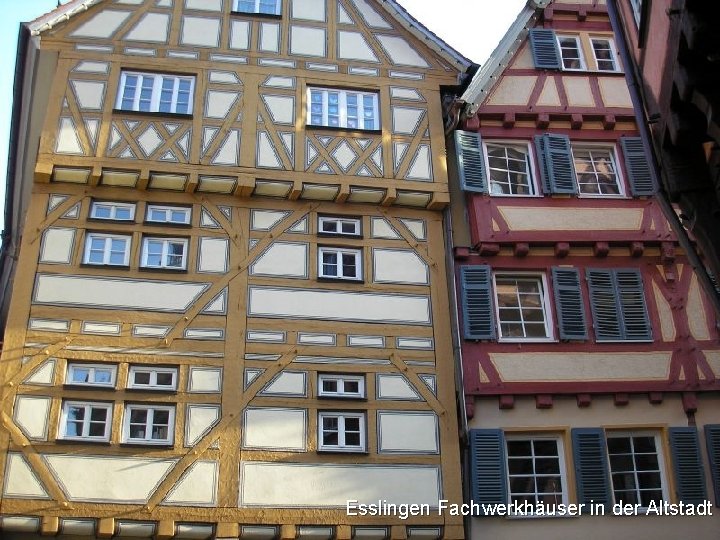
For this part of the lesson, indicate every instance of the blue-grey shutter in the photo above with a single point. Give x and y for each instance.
(488, 469)
(470, 161)
(591, 469)
(545, 50)
(637, 166)
(687, 465)
(544, 174)
(569, 303)
(712, 440)
(477, 302)
(604, 305)
(634, 319)
(560, 167)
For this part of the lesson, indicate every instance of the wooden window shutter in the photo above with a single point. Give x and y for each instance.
(544, 174)
(633, 317)
(687, 465)
(488, 469)
(545, 50)
(604, 305)
(560, 167)
(591, 469)
(470, 162)
(569, 303)
(637, 166)
(712, 439)
(477, 302)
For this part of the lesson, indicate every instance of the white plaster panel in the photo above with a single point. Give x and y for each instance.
(214, 255)
(380, 228)
(571, 219)
(50, 325)
(272, 337)
(20, 480)
(614, 92)
(337, 305)
(240, 35)
(199, 420)
(420, 166)
(227, 154)
(84, 291)
(251, 374)
(372, 17)
(513, 90)
(414, 343)
(275, 428)
(89, 94)
(207, 5)
(142, 330)
(57, 245)
(275, 81)
(266, 154)
(405, 120)
(218, 103)
(204, 333)
(200, 31)
(395, 387)
(310, 485)
(282, 259)
(307, 41)
(217, 306)
(228, 77)
(102, 25)
(31, 416)
(309, 10)
(87, 66)
(352, 46)
(416, 227)
(316, 339)
(401, 53)
(152, 27)
(366, 341)
(264, 220)
(578, 91)
(108, 479)
(287, 383)
(399, 266)
(43, 374)
(408, 432)
(411, 94)
(281, 108)
(206, 380)
(269, 37)
(89, 327)
(197, 486)
(68, 141)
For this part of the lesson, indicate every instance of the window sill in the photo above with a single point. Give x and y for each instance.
(330, 279)
(93, 265)
(153, 113)
(163, 270)
(110, 220)
(344, 129)
(63, 440)
(161, 445)
(341, 451)
(255, 15)
(83, 387)
(152, 390)
(343, 398)
(358, 236)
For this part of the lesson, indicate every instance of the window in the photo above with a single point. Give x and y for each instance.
(343, 109)
(148, 424)
(535, 470)
(340, 263)
(86, 421)
(112, 210)
(91, 375)
(603, 50)
(595, 171)
(167, 253)
(341, 386)
(522, 307)
(509, 170)
(635, 468)
(637, 8)
(152, 378)
(107, 249)
(571, 53)
(268, 7)
(177, 215)
(341, 431)
(153, 92)
(339, 226)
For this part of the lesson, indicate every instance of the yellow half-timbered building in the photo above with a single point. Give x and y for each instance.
(225, 306)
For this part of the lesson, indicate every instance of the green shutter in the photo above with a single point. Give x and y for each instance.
(560, 167)
(477, 302)
(633, 315)
(637, 167)
(544, 174)
(604, 305)
(545, 50)
(569, 303)
(488, 469)
(712, 439)
(687, 465)
(590, 457)
(470, 162)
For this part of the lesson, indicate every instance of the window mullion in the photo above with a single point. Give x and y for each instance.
(156, 92)
(342, 109)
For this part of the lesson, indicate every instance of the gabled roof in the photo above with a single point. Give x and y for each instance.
(392, 8)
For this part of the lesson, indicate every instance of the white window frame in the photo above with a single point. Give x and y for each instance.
(256, 9)
(660, 458)
(129, 407)
(637, 6)
(613, 158)
(341, 446)
(156, 92)
(88, 406)
(92, 370)
(530, 162)
(108, 238)
(153, 371)
(324, 93)
(561, 462)
(113, 207)
(613, 56)
(357, 253)
(166, 242)
(546, 308)
(579, 47)
(168, 212)
(339, 222)
(341, 379)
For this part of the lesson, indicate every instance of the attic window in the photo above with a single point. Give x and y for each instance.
(263, 7)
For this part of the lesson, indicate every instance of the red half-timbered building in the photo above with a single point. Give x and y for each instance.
(589, 351)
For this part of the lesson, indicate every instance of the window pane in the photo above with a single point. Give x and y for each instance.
(329, 385)
(103, 376)
(80, 375)
(164, 379)
(142, 377)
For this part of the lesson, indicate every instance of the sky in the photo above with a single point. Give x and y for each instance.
(472, 27)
